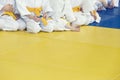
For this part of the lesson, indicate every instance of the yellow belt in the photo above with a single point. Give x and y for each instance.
(37, 12)
(10, 14)
(76, 9)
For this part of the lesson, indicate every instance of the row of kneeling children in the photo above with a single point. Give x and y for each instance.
(46, 15)
(103, 4)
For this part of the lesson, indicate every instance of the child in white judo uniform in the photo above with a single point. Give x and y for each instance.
(63, 15)
(36, 15)
(102, 4)
(116, 3)
(81, 11)
(8, 19)
(112, 3)
(84, 12)
(99, 5)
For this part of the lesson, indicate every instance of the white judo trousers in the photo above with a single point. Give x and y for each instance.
(116, 2)
(7, 22)
(62, 13)
(33, 26)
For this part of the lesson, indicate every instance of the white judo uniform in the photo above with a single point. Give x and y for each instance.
(35, 8)
(83, 16)
(98, 5)
(82, 9)
(62, 13)
(102, 4)
(7, 19)
(115, 2)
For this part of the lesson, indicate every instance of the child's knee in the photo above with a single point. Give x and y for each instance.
(48, 28)
(14, 26)
(22, 25)
(33, 28)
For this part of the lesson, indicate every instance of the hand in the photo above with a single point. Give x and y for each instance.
(17, 16)
(45, 15)
(35, 18)
(94, 15)
(7, 8)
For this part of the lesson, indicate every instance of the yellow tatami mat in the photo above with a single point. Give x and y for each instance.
(91, 54)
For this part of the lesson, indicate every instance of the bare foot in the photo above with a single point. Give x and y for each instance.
(75, 29)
